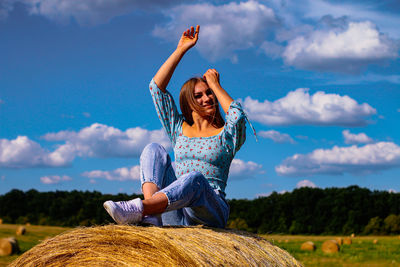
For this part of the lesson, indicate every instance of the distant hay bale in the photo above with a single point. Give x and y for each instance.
(347, 241)
(339, 240)
(8, 246)
(309, 246)
(1, 221)
(28, 224)
(352, 235)
(118, 245)
(330, 246)
(375, 241)
(21, 230)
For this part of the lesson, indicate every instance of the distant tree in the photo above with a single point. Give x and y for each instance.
(392, 224)
(239, 224)
(374, 226)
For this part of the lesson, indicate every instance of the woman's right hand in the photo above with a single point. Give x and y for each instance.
(189, 38)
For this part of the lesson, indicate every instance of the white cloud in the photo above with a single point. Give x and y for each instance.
(360, 11)
(342, 50)
(242, 170)
(300, 108)
(305, 183)
(276, 136)
(360, 138)
(102, 141)
(84, 12)
(120, 174)
(25, 153)
(54, 179)
(339, 160)
(1, 101)
(97, 140)
(224, 28)
(391, 190)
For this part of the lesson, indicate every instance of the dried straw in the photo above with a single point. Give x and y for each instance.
(8, 246)
(116, 245)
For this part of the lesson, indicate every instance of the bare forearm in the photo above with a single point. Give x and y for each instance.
(223, 97)
(164, 74)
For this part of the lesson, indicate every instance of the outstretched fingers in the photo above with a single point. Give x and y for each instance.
(196, 34)
(192, 31)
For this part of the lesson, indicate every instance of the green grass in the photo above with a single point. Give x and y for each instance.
(362, 251)
(33, 236)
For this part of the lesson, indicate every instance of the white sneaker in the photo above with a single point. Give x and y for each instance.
(152, 220)
(125, 212)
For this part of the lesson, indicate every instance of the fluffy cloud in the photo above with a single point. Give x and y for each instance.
(342, 49)
(224, 28)
(300, 108)
(97, 140)
(25, 153)
(120, 174)
(242, 170)
(102, 141)
(360, 138)
(339, 160)
(54, 179)
(85, 12)
(276, 136)
(305, 183)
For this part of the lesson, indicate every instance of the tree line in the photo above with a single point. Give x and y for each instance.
(302, 211)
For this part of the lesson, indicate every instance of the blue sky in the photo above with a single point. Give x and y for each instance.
(320, 81)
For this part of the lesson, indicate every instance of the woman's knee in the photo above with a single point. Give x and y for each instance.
(154, 150)
(195, 179)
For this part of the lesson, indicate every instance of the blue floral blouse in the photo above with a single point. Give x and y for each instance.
(212, 156)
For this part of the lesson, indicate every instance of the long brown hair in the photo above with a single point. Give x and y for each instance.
(189, 104)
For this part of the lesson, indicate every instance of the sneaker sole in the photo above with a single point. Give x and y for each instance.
(110, 207)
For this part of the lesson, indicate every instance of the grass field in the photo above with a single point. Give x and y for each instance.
(34, 235)
(362, 252)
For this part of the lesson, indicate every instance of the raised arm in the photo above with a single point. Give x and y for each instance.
(187, 41)
(212, 78)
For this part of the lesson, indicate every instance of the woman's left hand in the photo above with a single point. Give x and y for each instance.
(212, 77)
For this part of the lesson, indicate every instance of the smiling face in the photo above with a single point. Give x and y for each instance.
(196, 96)
(204, 97)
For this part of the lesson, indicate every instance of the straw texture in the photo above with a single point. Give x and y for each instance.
(116, 245)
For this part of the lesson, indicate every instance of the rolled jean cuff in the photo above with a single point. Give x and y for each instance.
(152, 180)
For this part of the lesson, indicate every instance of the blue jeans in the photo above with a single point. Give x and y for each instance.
(191, 199)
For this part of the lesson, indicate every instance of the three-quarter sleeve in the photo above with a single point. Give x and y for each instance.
(167, 111)
(235, 127)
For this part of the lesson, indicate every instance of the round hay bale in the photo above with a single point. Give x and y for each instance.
(339, 240)
(286, 240)
(347, 241)
(121, 245)
(310, 246)
(1, 221)
(28, 224)
(375, 241)
(330, 246)
(21, 230)
(352, 235)
(8, 246)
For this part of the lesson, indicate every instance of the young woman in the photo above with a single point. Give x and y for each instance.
(204, 146)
